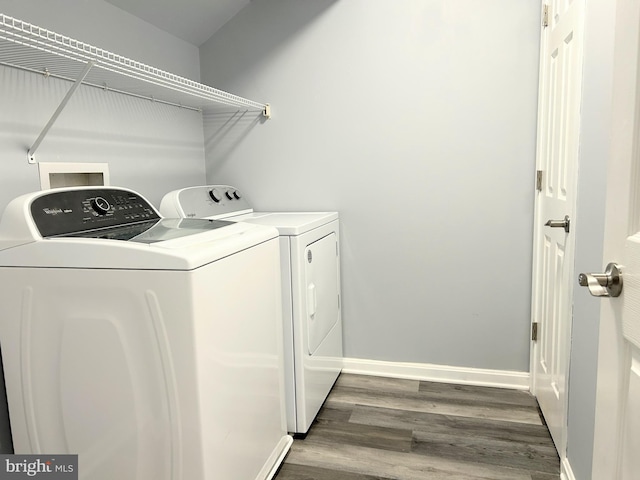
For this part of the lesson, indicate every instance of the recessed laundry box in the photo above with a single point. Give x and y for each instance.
(151, 347)
(310, 259)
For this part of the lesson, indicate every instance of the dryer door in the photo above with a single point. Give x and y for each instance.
(321, 280)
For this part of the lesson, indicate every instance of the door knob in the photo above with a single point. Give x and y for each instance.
(559, 223)
(607, 284)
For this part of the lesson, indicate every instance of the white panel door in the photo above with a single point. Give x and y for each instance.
(558, 142)
(617, 424)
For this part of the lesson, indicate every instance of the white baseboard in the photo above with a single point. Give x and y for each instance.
(438, 373)
(565, 470)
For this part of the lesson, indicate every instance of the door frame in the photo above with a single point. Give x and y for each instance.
(543, 88)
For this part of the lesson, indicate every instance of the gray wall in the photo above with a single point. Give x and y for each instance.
(595, 144)
(416, 120)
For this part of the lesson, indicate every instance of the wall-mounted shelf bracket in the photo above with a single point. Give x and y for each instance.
(267, 111)
(32, 151)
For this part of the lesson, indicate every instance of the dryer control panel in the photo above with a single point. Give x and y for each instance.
(72, 211)
(205, 202)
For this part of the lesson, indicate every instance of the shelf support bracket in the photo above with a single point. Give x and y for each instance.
(267, 111)
(32, 151)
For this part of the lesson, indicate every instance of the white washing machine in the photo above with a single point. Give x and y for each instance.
(310, 257)
(150, 347)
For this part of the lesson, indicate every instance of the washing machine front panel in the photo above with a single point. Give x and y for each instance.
(174, 375)
(129, 353)
(91, 372)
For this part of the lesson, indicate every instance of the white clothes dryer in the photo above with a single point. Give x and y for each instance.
(310, 258)
(150, 347)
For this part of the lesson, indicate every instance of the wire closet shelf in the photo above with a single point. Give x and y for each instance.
(29, 47)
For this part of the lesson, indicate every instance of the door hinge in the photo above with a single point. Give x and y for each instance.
(545, 16)
(534, 331)
(539, 180)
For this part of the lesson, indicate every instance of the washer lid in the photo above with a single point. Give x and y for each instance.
(187, 252)
(152, 231)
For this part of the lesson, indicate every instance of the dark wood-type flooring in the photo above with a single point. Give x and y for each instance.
(374, 428)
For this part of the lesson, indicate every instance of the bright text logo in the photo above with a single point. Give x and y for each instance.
(49, 467)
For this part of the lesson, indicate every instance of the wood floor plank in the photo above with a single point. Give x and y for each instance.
(481, 428)
(474, 393)
(540, 458)
(336, 413)
(291, 471)
(376, 384)
(383, 438)
(395, 465)
(544, 476)
(417, 403)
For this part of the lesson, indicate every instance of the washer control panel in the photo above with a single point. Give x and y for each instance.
(72, 211)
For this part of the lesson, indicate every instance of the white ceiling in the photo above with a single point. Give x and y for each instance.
(191, 20)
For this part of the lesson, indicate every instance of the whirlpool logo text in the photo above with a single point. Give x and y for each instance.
(50, 467)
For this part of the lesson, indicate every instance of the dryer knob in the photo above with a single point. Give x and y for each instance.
(237, 195)
(215, 195)
(229, 194)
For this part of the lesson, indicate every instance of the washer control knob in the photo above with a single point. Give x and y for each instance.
(215, 195)
(100, 205)
(237, 195)
(229, 194)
